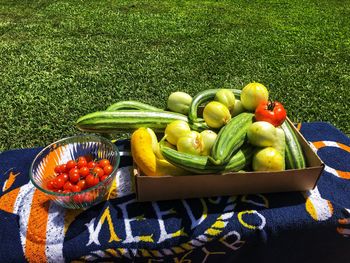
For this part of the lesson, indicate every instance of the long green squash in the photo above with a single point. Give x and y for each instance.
(201, 164)
(230, 138)
(127, 120)
(131, 105)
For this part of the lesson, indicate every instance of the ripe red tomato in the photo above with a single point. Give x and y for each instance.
(82, 184)
(74, 177)
(92, 180)
(75, 188)
(58, 182)
(98, 171)
(82, 163)
(70, 164)
(84, 171)
(272, 112)
(104, 162)
(103, 178)
(64, 176)
(67, 186)
(108, 169)
(91, 164)
(50, 185)
(73, 171)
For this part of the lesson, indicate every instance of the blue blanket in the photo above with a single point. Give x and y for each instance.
(310, 226)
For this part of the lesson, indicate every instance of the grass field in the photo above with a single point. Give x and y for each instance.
(62, 59)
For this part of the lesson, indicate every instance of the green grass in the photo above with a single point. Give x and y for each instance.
(62, 59)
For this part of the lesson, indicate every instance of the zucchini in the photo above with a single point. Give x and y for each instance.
(230, 138)
(201, 164)
(127, 120)
(131, 105)
(205, 96)
(294, 154)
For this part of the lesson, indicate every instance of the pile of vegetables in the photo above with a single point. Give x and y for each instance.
(216, 131)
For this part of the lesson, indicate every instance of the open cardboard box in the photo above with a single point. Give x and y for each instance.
(153, 188)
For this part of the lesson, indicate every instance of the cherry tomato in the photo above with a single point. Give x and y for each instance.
(73, 171)
(108, 169)
(70, 164)
(103, 178)
(50, 184)
(88, 158)
(58, 182)
(92, 180)
(67, 186)
(82, 184)
(82, 163)
(88, 197)
(76, 188)
(66, 191)
(91, 164)
(79, 198)
(64, 176)
(57, 169)
(84, 171)
(74, 177)
(104, 162)
(98, 171)
(82, 158)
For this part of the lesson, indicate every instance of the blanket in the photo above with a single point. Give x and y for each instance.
(312, 226)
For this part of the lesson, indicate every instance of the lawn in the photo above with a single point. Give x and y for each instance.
(62, 59)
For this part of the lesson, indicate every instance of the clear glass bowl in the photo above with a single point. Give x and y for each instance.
(71, 148)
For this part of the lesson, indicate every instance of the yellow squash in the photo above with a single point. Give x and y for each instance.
(143, 151)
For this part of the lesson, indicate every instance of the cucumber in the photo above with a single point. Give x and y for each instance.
(127, 120)
(294, 154)
(131, 105)
(201, 164)
(205, 96)
(230, 138)
(280, 143)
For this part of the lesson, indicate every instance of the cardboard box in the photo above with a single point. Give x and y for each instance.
(153, 188)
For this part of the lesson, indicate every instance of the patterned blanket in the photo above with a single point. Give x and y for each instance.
(308, 226)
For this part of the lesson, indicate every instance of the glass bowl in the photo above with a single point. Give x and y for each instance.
(71, 148)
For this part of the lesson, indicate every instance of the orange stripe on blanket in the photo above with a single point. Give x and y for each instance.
(7, 201)
(319, 144)
(38, 217)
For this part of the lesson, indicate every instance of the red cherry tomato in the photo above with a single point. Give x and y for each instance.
(57, 169)
(82, 184)
(66, 191)
(272, 112)
(50, 184)
(64, 176)
(70, 164)
(82, 158)
(92, 180)
(91, 164)
(108, 169)
(75, 188)
(82, 163)
(67, 186)
(98, 171)
(74, 177)
(73, 171)
(84, 171)
(103, 178)
(58, 182)
(104, 162)
(79, 198)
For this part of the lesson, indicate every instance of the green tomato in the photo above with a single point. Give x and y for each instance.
(262, 134)
(268, 159)
(226, 97)
(216, 114)
(253, 94)
(190, 143)
(208, 139)
(238, 108)
(179, 102)
(175, 130)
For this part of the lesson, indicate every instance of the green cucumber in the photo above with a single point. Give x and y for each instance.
(201, 164)
(127, 120)
(294, 154)
(205, 96)
(131, 105)
(230, 138)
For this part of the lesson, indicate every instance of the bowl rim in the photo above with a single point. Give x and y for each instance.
(46, 191)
